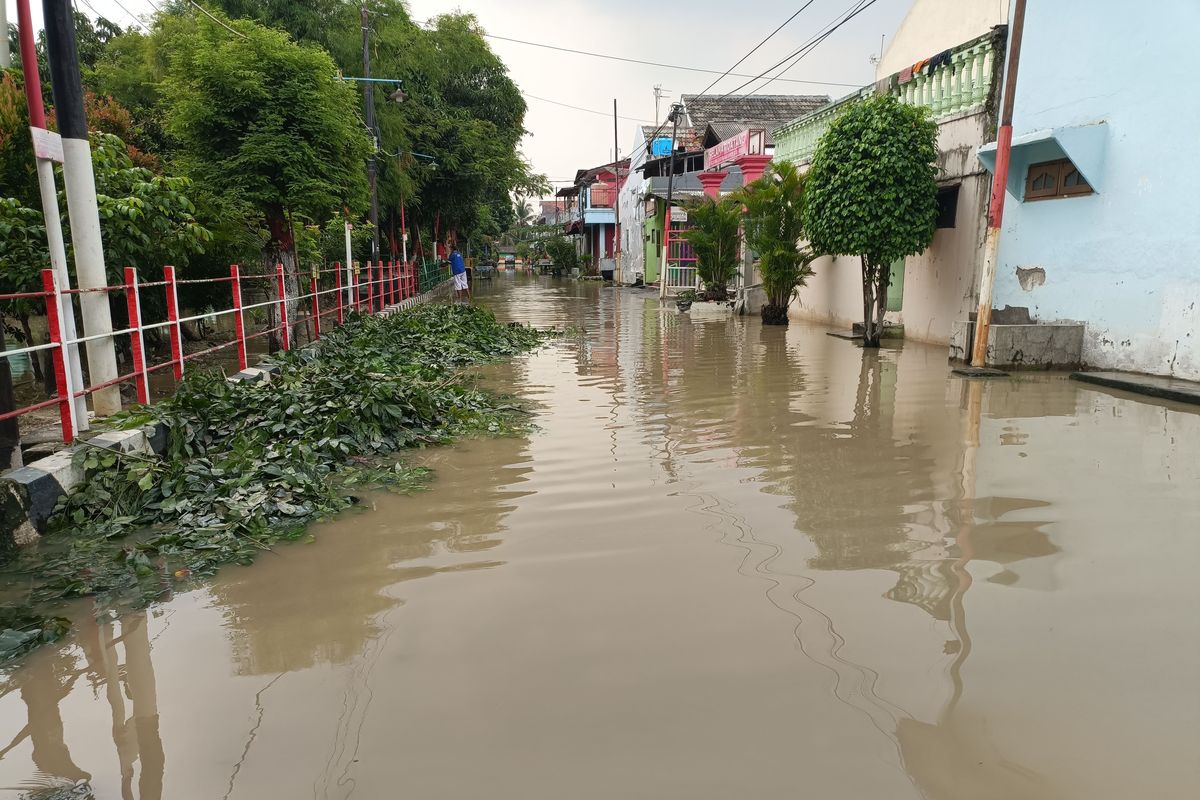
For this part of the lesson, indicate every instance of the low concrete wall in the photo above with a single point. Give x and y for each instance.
(1046, 345)
(29, 494)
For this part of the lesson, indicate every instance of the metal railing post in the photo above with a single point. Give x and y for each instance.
(176, 330)
(66, 397)
(137, 344)
(337, 282)
(285, 333)
(239, 316)
(316, 307)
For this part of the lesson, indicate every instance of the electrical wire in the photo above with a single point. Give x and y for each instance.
(659, 64)
(798, 54)
(130, 14)
(205, 12)
(818, 42)
(581, 108)
(755, 48)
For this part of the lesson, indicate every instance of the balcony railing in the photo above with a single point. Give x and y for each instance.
(959, 86)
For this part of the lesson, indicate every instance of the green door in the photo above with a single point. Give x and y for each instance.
(895, 296)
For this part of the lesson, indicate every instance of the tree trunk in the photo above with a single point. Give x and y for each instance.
(34, 362)
(883, 278)
(10, 431)
(280, 249)
(773, 314)
(870, 333)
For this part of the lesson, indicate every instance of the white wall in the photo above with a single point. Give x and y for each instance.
(935, 25)
(939, 284)
(633, 211)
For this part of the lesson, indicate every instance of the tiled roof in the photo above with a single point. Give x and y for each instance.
(689, 140)
(750, 110)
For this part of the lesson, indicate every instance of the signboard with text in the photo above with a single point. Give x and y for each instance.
(750, 142)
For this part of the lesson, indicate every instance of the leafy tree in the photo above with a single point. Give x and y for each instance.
(774, 206)
(18, 174)
(23, 255)
(714, 239)
(263, 118)
(562, 252)
(873, 193)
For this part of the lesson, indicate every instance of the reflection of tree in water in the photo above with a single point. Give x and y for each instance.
(321, 606)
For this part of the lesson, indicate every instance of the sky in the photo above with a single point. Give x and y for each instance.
(712, 34)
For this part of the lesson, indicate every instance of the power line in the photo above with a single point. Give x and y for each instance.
(581, 108)
(796, 55)
(814, 46)
(659, 64)
(205, 12)
(127, 11)
(760, 44)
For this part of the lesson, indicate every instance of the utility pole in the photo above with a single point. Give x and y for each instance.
(662, 267)
(5, 56)
(617, 195)
(991, 244)
(369, 95)
(50, 209)
(82, 206)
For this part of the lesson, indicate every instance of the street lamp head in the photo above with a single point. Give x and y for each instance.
(397, 96)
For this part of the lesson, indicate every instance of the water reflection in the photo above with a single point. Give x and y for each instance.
(112, 655)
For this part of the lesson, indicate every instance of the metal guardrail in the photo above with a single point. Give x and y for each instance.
(368, 288)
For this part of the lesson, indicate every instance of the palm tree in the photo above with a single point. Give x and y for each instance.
(774, 230)
(714, 239)
(523, 211)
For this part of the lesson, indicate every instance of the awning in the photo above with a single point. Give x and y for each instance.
(1085, 145)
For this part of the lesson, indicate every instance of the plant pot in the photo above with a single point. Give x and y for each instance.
(683, 305)
(774, 315)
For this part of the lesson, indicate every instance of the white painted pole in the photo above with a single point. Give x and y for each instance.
(349, 265)
(82, 206)
(5, 55)
(66, 308)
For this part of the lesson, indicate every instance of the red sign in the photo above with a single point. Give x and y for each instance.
(750, 142)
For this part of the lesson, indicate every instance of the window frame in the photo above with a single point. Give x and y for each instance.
(952, 216)
(1058, 169)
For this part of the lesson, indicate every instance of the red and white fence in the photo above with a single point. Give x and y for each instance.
(332, 294)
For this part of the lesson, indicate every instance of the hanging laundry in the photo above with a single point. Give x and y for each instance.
(906, 75)
(939, 60)
(919, 67)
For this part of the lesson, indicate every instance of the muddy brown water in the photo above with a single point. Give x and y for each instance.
(732, 562)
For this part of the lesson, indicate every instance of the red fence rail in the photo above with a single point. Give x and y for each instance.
(330, 294)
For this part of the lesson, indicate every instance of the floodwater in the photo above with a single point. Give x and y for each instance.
(732, 562)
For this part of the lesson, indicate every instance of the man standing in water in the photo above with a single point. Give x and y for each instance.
(458, 268)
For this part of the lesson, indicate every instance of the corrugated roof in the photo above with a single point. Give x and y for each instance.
(688, 185)
(750, 110)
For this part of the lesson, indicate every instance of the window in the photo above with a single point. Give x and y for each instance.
(1051, 179)
(947, 201)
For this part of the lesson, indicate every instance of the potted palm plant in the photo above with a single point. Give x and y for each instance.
(714, 240)
(774, 204)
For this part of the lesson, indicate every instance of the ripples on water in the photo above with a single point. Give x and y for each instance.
(731, 560)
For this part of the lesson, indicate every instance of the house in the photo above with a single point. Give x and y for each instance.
(706, 121)
(550, 212)
(946, 55)
(594, 219)
(1099, 223)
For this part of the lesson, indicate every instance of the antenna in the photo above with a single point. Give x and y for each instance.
(659, 94)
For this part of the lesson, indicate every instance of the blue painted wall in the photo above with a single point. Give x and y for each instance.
(1125, 260)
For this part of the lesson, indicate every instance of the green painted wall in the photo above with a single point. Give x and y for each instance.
(653, 242)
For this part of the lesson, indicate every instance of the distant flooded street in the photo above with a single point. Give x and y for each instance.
(731, 561)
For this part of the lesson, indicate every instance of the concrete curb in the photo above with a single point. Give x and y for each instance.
(29, 494)
(1175, 389)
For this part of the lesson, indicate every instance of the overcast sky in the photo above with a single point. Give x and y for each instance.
(710, 34)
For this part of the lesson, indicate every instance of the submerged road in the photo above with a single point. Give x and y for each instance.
(730, 562)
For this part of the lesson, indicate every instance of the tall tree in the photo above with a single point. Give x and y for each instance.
(263, 118)
(872, 192)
